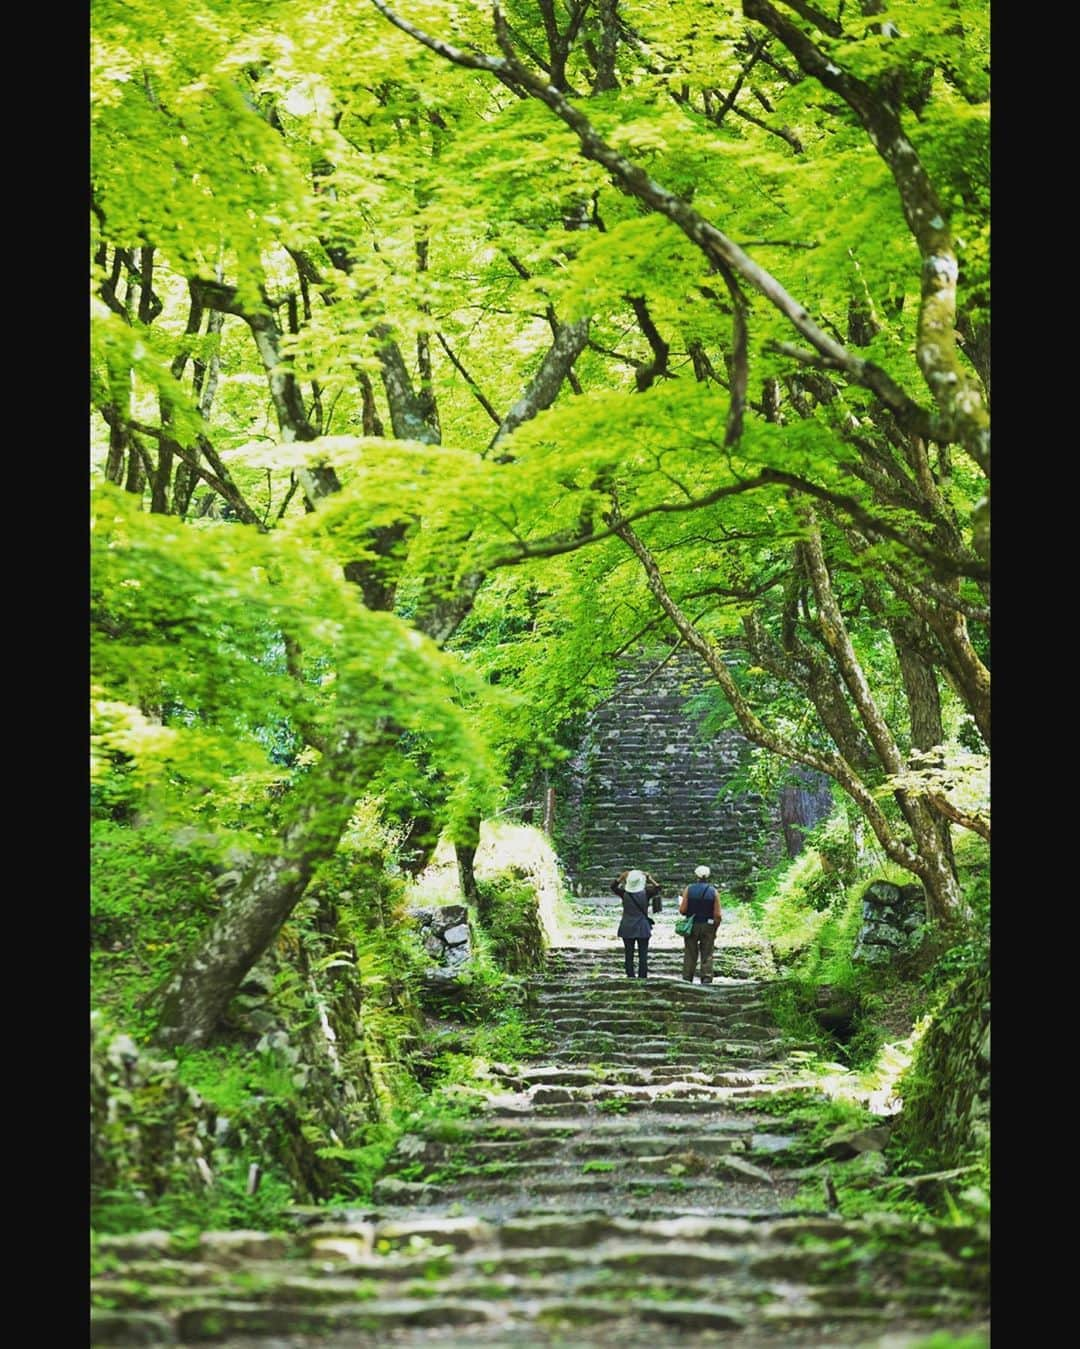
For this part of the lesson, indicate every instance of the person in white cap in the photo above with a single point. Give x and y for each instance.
(636, 889)
(700, 900)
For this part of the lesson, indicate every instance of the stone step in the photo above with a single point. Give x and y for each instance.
(623, 1103)
(670, 1089)
(368, 1323)
(674, 1156)
(648, 1068)
(706, 1277)
(655, 1076)
(591, 977)
(726, 1056)
(486, 1129)
(670, 1106)
(615, 1191)
(679, 1042)
(606, 972)
(637, 1016)
(718, 1187)
(734, 964)
(504, 1152)
(631, 1036)
(683, 1027)
(603, 977)
(664, 993)
(604, 982)
(599, 980)
(520, 1273)
(739, 1273)
(634, 1009)
(653, 1000)
(683, 1248)
(586, 1136)
(698, 1033)
(587, 1233)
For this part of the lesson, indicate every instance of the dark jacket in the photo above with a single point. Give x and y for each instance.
(635, 921)
(701, 902)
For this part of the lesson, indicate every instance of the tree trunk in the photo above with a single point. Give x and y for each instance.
(196, 997)
(807, 669)
(924, 707)
(418, 844)
(159, 487)
(549, 812)
(136, 470)
(378, 580)
(412, 415)
(466, 867)
(544, 387)
(945, 904)
(946, 907)
(465, 850)
(204, 387)
(118, 449)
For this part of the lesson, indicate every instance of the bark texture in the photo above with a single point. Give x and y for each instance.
(194, 1000)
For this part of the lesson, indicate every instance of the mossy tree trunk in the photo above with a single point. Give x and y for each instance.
(465, 852)
(946, 1091)
(194, 1000)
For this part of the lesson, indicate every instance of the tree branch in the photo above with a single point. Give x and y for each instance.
(645, 375)
(716, 246)
(606, 79)
(544, 387)
(478, 393)
(221, 481)
(738, 366)
(974, 821)
(832, 765)
(284, 390)
(959, 400)
(558, 544)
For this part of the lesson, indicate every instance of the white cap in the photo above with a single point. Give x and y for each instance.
(703, 872)
(635, 880)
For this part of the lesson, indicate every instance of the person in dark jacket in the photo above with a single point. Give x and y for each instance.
(636, 889)
(700, 900)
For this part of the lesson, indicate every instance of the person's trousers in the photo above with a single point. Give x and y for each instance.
(643, 956)
(698, 946)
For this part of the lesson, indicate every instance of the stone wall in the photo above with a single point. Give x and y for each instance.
(446, 937)
(946, 1092)
(893, 922)
(643, 791)
(301, 1006)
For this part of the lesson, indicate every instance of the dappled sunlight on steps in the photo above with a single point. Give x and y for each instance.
(620, 1188)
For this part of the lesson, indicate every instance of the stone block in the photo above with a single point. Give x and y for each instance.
(451, 915)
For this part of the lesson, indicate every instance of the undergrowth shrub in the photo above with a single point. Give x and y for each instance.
(509, 917)
(149, 901)
(184, 1207)
(811, 910)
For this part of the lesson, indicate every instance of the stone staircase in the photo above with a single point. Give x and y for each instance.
(644, 788)
(619, 1188)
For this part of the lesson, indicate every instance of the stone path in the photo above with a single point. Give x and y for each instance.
(646, 778)
(620, 1189)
